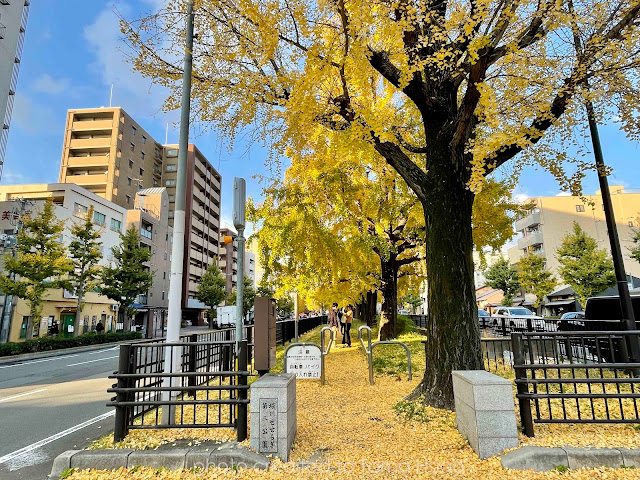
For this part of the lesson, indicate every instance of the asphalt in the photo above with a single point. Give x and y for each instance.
(50, 404)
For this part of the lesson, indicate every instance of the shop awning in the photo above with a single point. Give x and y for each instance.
(559, 303)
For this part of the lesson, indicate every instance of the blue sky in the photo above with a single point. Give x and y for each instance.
(73, 54)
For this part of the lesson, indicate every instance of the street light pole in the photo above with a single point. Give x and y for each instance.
(171, 362)
(239, 199)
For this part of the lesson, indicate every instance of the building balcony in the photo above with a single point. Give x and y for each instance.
(86, 180)
(103, 142)
(528, 221)
(91, 125)
(92, 161)
(531, 240)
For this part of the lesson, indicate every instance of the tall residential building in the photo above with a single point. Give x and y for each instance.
(13, 23)
(550, 219)
(228, 257)
(110, 154)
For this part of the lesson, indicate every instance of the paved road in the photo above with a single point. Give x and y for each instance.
(52, 404)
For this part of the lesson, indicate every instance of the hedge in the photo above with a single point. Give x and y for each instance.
(55, 343)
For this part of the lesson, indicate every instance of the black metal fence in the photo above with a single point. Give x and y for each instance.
(576, 377)
(205, 386)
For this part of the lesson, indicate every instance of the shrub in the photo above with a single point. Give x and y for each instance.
(405, 325)
(55, 343)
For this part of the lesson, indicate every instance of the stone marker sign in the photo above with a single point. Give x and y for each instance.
(304, 361)
(273, 414)
(268, 425)
(485, 412)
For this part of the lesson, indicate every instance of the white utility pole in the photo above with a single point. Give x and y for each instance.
(173, 354)
(239, 199)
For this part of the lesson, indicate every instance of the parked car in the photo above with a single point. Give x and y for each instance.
(572, 316)
(484, 318)
(403, 312)
(518, 319)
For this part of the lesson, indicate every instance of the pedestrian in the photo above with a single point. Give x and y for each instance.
(340, 317)
(348, 319)
(332, 319)
(54, 328)
(99, 327)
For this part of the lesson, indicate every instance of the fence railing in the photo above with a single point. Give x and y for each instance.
(576, 377)
(205, 385)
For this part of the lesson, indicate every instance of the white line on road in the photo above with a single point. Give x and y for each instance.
(55, 437)
(107, 350)
(39, 361)
(21, 395)
(91, 361)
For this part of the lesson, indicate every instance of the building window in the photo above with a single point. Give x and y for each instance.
(142, 155)
(170, 183)
(141, 171)
(165, 255)
(172, 198)
(162, 295)
(133, 130)
(579, 208)
(116, 225)
(129, 181)
(133, 146)
(164, 275)
(99, 218)
(79, 210)
(144, 139)
(172, 167)
(128, 199)
(130, 163)
(630, 223)
(155, 183)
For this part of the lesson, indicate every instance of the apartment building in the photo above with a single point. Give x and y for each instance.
(110, 154)
(150, 217)
(228, 257)
(71, 205)
(550, 219)
(13, 24)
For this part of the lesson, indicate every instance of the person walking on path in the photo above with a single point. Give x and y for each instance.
(341, 320)
(332, 319)
(348, 319)
(99, 328)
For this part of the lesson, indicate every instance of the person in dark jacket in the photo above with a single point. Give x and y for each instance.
(99, 327)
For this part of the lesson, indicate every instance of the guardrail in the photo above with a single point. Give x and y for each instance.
(576, 377)
(368, 349)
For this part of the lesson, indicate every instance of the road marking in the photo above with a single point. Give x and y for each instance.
(61, 357)
(91, 361)
(21, 395)
(107, 350)
(53, 438)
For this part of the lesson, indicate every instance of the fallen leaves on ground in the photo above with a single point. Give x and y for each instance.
(354, 432)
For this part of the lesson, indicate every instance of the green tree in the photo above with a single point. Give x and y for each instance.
(211, 290)
(248, 296)
(585, 267)
(285, 306)
(503, 276)
(127, 276)
(535, 278)
(40, 263)
(265, 290)
(635, 250)
(85, 253)
(414, 300)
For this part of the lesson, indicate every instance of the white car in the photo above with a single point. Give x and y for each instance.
(517, 318)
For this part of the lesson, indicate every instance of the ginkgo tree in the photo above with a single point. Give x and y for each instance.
(446, 92)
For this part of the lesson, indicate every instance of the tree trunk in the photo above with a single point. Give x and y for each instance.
(389, 316)
(372, 303)
(29, 332)
(76, 321)
(126, 327)
(453, 336)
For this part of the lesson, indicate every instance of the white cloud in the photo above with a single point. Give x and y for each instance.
(520, 197)
(47, 84)
(130, 90)
(563, 194)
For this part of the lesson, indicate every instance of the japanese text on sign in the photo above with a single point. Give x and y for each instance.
(304, 361)
(268, 425)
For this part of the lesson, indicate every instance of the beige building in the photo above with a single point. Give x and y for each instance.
(71, 204)
(110, 154)
(542, 230)
(150, 217)
(228, 257)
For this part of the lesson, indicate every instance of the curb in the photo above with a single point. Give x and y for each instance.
(543, 459)
(57, 353)
(201, 457)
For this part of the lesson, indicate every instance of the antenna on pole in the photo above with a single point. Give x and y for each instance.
(111, 96)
